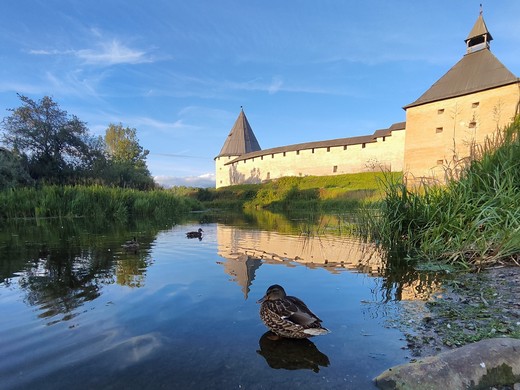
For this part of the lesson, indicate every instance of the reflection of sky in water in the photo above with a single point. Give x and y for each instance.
(189, 324)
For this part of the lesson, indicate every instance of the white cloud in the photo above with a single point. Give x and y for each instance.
(202, 181)
(111, 53)
(105, 53)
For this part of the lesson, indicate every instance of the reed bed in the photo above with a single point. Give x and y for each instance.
(472, 221)
(93, 201)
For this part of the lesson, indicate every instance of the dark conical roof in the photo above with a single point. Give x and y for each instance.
(479, 30)
(241, 139)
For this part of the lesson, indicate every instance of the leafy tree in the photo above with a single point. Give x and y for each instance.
(127, 157)
(12, 170)
(123, 146)
(57, 146)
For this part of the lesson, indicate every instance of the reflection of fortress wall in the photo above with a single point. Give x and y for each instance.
(274, 247)
(246, 250)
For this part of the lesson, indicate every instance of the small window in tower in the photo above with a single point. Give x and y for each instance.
(261, 157)
(475, 104)
(440, 162)
(384, 139)
(438, 130)
(472, 124)
(284, 154)
(335, 168)
(328, 149)
(344, 147)
(363, 145)
(312, 150)
(297, 152)
(440, 111)
(272, 155)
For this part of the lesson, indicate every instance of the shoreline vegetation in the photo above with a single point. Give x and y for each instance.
(471, 222)
(114, 203)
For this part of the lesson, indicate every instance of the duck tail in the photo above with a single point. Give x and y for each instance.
(316, 331)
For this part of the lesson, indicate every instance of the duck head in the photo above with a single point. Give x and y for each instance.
(273, 293)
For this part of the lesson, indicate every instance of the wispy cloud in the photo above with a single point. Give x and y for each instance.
(111, 53)
(105, 53)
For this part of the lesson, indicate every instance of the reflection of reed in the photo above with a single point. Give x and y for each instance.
(291, 354)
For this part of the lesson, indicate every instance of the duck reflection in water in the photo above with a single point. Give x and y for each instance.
(291, 354)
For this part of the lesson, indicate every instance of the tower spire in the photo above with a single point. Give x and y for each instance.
(479, 36)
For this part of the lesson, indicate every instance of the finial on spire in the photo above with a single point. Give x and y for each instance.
(241, 108)
(481, 9)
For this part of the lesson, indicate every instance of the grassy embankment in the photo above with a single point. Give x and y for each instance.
(316, 193)
(470, 222)
(94, 202)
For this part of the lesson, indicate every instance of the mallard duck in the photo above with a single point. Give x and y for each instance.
(197, 234)
(131, 244)
(288, 316)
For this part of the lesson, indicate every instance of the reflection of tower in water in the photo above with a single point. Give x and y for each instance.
(246, 250)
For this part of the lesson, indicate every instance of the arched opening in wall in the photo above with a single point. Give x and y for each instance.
(335, 169)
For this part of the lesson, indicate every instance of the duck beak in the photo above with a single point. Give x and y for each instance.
(264, 298)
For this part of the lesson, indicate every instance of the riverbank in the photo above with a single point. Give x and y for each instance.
(469, 308)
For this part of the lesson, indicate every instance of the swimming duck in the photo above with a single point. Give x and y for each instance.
(131, 244)
(288, 316)
(197, 234)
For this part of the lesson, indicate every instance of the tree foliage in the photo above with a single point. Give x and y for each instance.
(127, 158)
(46, 145)
(13, 170)
(57, 147)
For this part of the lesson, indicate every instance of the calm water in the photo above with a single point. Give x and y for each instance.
(78, 311)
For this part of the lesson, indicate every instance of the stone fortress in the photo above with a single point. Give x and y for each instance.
(477, 96)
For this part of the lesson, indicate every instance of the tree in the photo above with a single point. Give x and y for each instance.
(12, 170)
(128, 158)
(57, 146)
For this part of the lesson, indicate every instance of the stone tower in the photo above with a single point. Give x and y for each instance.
(477, 96)
(241, 140)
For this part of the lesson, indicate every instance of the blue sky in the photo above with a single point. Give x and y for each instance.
(178, 71)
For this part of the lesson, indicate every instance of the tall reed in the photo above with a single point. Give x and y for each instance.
(94, 201)
(473, 221)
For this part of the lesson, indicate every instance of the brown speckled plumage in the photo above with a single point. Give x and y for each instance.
(288, 316)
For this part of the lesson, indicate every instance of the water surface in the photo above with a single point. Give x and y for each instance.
(79, 311)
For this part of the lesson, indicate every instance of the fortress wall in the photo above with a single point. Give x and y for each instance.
(441, 133)
(387, 152)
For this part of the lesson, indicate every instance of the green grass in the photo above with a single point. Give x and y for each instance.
(91, 201)
(323, 193)
(471, 222)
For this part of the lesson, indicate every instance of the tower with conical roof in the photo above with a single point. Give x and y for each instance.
(477, 96)
(241, 140)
